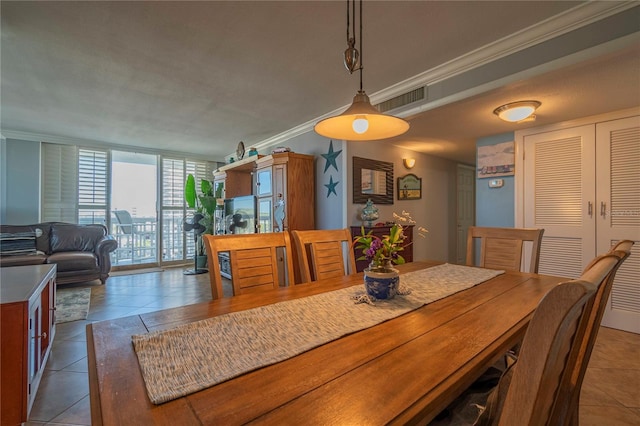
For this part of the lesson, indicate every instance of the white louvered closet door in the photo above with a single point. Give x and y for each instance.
(559, 170)
(618, 215)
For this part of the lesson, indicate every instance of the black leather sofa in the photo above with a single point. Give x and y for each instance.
(81, 252)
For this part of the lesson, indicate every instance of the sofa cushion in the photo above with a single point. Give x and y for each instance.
(74, 261)
(23, 260)
(67, 237)
(18, 243)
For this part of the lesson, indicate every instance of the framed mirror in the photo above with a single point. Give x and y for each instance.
(372, 179)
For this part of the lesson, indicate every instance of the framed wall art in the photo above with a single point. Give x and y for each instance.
(496, 160)
(409, 187)
(372, 179)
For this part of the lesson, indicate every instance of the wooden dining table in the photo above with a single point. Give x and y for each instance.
(401, 371)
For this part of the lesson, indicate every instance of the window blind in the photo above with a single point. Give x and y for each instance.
(59, 183)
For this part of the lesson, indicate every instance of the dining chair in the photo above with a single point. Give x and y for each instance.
(501, 248)
(567, 405)
(533, 390)
(322, 253)
(254, 260)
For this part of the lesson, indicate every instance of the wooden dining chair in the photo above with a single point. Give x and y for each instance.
(533, 390)
(322, 253)
(501, 248)
(254, 261)
(567, 405)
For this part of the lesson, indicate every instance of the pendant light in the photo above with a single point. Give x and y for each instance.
(361, 121)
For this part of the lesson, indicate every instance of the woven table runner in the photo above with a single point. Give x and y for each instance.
(195, 356)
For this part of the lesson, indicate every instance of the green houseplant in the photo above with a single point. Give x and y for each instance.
(204, 204)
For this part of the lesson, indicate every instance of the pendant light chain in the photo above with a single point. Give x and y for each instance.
(354, 5)
(352, 55)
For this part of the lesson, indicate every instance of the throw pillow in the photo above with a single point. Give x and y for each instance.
(18, 243)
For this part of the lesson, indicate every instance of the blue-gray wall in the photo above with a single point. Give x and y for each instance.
(3, 180)
(495, 206)
(21, 172)
(330, 207)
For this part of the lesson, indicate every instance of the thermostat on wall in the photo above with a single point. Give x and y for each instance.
(496, 183)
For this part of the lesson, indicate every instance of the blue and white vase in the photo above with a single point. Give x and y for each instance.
(382, 282)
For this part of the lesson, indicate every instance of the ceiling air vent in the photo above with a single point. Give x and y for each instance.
(401, 100)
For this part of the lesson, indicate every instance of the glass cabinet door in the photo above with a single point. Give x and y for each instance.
(263, 182)
(265, 223)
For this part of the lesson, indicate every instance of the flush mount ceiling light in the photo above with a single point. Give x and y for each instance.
(361, 121)
(517, 111)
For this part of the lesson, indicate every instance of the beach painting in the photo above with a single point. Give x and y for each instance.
(496, 160)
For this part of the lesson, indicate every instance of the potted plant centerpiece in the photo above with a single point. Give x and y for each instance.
(381, 278)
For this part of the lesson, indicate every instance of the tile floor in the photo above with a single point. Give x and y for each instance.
(610, 396)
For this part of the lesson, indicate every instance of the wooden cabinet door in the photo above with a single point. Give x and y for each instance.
(618, 214)
(280, 198)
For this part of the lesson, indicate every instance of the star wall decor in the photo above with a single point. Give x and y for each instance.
(331, 186)
(330, 158)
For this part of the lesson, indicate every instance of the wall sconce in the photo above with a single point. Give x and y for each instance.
(409, 162)
(517, 111)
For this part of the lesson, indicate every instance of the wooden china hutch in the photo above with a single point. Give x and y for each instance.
(284, 186)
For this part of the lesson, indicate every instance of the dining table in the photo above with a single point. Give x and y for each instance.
(404, 370)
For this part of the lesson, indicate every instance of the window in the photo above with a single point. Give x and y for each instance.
(174, 175)
(93, 178)
(76, 188)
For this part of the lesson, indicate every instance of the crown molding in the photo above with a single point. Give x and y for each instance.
(90, 143)
(570, 20)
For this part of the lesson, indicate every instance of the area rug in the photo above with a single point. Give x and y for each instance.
(72, 304)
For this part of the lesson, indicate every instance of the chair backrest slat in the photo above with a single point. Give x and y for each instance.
(253, 259)
(501, 248)
(321, 253)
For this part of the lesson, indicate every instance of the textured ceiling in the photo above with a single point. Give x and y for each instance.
(199, 77)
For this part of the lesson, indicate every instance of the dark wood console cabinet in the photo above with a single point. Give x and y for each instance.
(380, 231)
(27, 327)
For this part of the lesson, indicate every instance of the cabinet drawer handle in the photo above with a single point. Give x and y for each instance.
(603, 209)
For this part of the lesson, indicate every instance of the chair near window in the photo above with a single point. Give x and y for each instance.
(254, 261)
(501, 248)
(534, 390)
(139, 238)
(322, 253)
